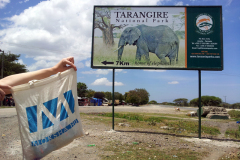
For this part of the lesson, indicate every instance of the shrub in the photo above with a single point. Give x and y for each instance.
(152, 102)
(234, 114)
(233, 133)
(235, 106)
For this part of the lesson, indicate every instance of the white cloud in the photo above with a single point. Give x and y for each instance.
(179, 3)
(41, 64)
(120, 70)
(88, 63)
(229, 2)
(105, 82)
(173, 82)
(98, 71)
(3, 3)
(20, 61)
(79, 65)
(23, 1)
(55, 29)
(155, 70)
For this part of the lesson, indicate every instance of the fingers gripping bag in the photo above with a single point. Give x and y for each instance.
(48, 114)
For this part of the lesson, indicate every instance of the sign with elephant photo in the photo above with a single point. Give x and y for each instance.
(157, 37)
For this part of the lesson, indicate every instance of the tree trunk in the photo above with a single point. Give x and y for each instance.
(108, 36)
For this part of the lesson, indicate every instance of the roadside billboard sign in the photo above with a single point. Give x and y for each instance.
(157, 37)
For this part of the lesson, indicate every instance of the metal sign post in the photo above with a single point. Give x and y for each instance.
(199, 104)
(113, 100)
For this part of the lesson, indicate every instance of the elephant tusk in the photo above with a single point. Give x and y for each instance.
(117, 49)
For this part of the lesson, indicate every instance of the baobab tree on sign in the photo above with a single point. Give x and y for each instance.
(102, 22)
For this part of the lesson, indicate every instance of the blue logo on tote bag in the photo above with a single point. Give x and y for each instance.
(51, 105)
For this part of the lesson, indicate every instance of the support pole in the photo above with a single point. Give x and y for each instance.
(199, 104)
(113, 100)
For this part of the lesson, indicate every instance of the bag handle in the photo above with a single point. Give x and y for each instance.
(32, 82)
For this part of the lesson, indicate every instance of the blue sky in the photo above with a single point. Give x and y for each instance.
(44, 32)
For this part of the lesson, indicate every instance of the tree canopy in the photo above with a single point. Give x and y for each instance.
(138, 96)
(90, 93)
(99, 95)
(81, 89)
(108, 95)
(235, 106)
(152, 102)
(10, 64)
(207, 101)
(102, 22)
(181, 101)
(118, 96)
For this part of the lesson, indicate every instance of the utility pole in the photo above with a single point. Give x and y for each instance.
(225, 98)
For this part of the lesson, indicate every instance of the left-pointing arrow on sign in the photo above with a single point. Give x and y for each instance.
(105, 62)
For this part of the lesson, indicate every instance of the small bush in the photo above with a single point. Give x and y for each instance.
(152, 123)
(234, 114)
(152, 102)
(234, 133)
(192, 127)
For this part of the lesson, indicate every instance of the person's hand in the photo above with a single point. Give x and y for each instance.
(2, 93)
(65, 64)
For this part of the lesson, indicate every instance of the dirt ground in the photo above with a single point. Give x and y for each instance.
(100, 134)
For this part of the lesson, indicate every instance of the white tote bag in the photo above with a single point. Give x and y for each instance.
(48, 114)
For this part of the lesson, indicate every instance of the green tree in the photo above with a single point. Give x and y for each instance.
(90, 93)
(144, 96)
(121, 98)
(125, 96)
(207, 101)
(108, 95)
(133, 97)
(118, 96)
(152, 102)
(181, 102)
(225, 105)
(99, 95)
(139, 96)
(235, 106)
(102, 22)
(81, 89)
(194, 102)
(211, 100)
(10, 64)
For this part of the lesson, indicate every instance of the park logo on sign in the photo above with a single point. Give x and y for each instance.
(204, 24)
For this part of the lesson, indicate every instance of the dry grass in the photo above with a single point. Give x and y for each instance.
(103, 53)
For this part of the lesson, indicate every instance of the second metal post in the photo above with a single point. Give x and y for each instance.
(113, 100)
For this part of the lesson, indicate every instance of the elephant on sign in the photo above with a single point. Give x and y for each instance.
(160, 40)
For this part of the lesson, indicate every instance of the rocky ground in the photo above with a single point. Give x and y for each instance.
(100, 134)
